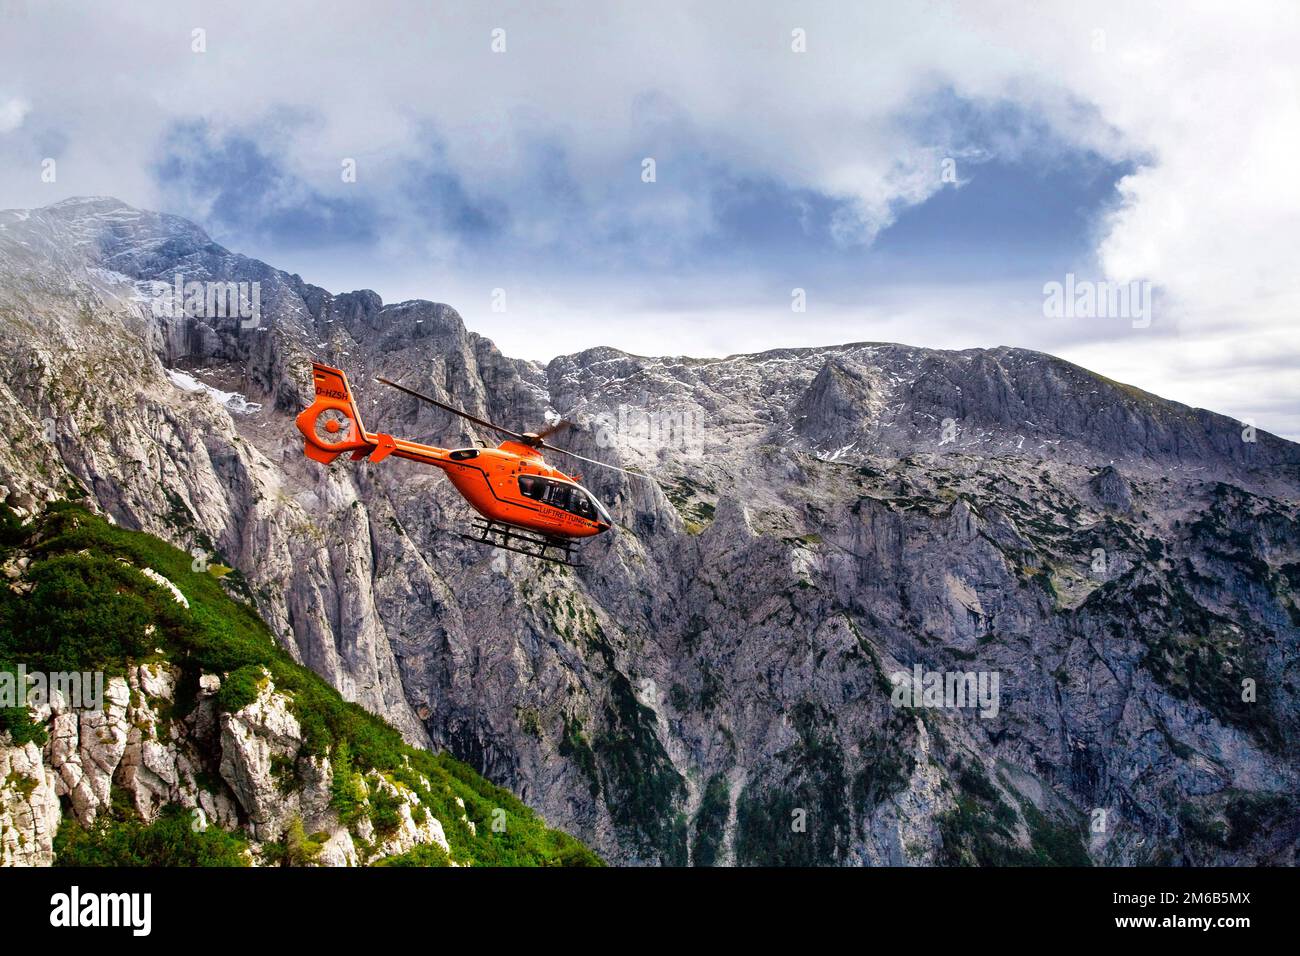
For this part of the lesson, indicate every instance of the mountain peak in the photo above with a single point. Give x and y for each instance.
(104, 201)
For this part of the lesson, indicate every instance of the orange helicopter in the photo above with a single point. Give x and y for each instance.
(527, 506)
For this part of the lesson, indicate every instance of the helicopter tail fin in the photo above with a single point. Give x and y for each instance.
(332, 425)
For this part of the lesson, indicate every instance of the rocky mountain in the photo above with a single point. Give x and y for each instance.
(167, 728)
(720, 684)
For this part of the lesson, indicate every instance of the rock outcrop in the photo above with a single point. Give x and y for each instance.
(29, 806)
(261, 783)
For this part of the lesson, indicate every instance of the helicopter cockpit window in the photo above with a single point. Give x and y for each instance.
(559, 494)
(580, 504)
(531, 487)
(602, 513)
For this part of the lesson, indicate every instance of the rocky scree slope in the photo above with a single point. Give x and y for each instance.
(823, 518)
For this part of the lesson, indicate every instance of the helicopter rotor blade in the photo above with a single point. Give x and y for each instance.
(553, 428)
(592, 461)
(455, 411)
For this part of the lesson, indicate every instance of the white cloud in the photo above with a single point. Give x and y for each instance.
(12, 113)
(1210, 98)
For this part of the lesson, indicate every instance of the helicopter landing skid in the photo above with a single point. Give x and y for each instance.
(522, 542)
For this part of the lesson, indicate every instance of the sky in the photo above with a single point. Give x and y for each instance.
(822, 173)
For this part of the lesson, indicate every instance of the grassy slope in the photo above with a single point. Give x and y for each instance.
(88, 610)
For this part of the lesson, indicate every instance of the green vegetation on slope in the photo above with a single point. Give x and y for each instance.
(642, 788)
(804, 819)
(120, 838)
(711, 821)
(90, 607)
(978, 831)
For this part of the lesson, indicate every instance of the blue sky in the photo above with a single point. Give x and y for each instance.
(1099, 140)
(1003, 218)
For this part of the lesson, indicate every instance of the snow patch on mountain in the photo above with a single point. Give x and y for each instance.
(231, 401)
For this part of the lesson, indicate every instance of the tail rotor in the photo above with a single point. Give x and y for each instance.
(331, 425)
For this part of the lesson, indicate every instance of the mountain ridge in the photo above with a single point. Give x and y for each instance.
(600, 351)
